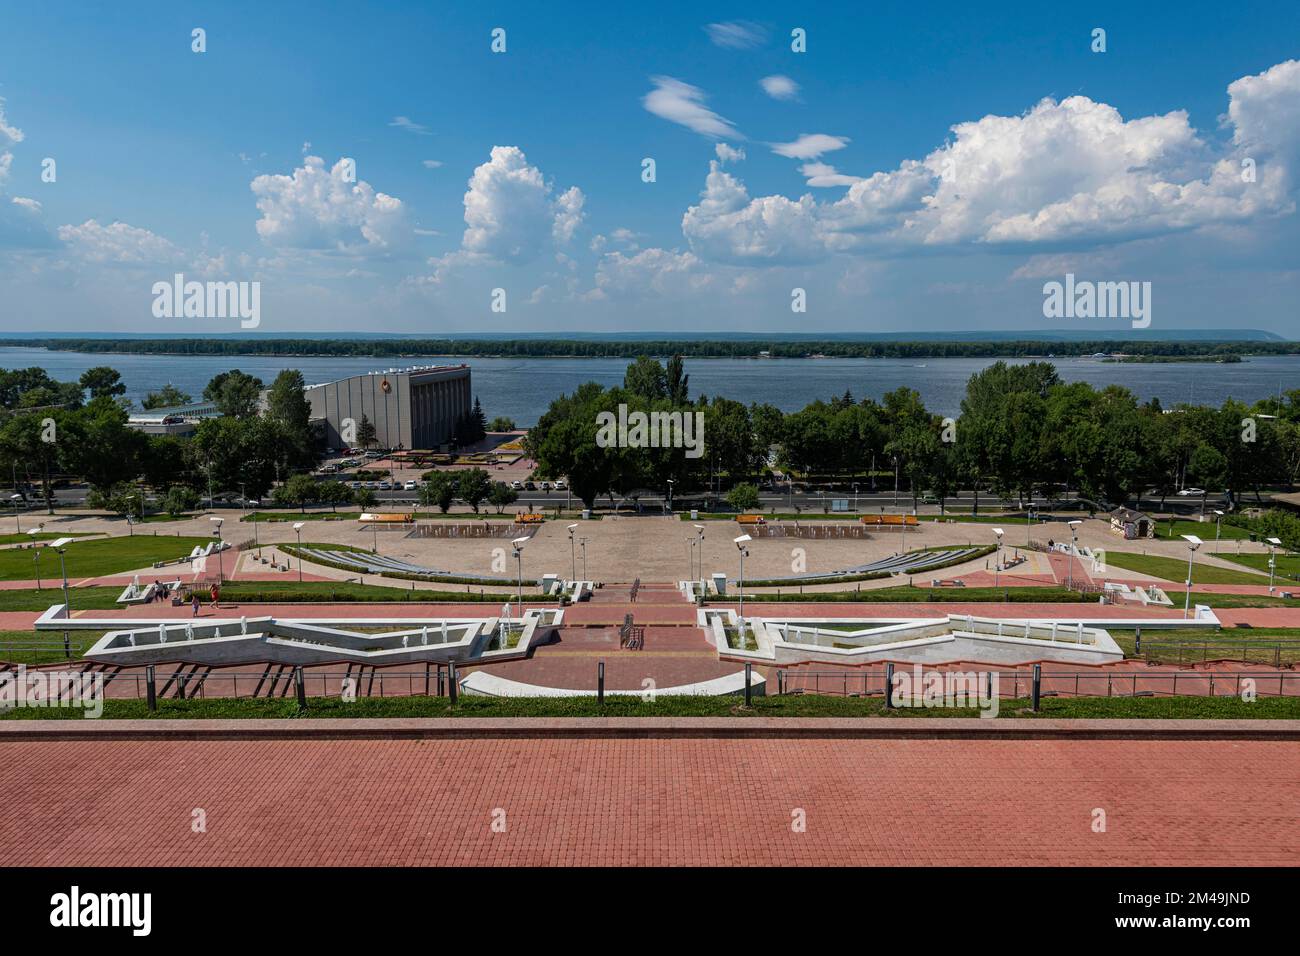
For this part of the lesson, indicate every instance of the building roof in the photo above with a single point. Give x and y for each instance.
(1128, 514)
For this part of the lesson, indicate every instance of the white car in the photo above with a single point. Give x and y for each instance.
(517, 485)
(559, 484)
(411, 485)
(1191, 492)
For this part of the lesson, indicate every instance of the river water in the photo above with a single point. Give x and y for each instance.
(521, 388)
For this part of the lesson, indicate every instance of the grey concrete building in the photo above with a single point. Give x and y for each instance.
(410, 408)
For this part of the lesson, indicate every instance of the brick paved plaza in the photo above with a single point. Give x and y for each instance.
(673, 801)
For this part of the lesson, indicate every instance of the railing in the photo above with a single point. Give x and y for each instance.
(631, 636)
(67, 648)
(1233, 650)
(1016, 684)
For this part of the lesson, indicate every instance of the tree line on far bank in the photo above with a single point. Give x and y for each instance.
(1021, 431)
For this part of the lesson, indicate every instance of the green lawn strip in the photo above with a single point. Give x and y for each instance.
(792, 705)
(86, 559)
(1213, 599)
(293, 592)
(44, 647)
(1202, 529)
(83, 599)
(1175, 569)
(914, 595)
(1288, 565)
(25, 538)
(1191, 645)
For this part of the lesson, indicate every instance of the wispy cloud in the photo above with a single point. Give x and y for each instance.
(431, 163)
(408, 124)
(681, 103)
(779, 87)
(737, 34)
(810, 146)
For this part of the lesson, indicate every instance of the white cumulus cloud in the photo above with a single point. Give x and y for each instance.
(317, 208)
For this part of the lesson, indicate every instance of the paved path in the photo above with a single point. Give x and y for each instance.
(649, 801)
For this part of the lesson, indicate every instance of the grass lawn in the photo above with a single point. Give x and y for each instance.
(1202, 529)
(1175, 569)
(1288, 565)
(792, 705)
(87, 559)
(24, 538)
(31, 599)
(44, 647)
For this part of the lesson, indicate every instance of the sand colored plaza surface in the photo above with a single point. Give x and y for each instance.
(623, 548)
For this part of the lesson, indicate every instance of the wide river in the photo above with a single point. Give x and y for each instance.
(522, 388)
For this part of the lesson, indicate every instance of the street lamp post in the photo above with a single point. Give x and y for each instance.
(36, 553)
(741, 546)
(1218, 521)
(855, 497)
(1193, 542)
(997, 567)
(13, 500)
(518, 546)
(1272, 560)
(699, 538)
(1074, 551)
(573, 554)
(297, 529)
(670, 496)
(582, 543)
(60, 545)
(221, 576)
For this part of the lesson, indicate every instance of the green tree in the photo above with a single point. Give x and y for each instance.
(743, 497)
(288, 407)
(333, 493)
(501, 424)
(122, 498)
(367, 436)
(439, 489)
(235, 393)
(502, 495)
(100, 446)
(676, 381)
(472, 486)
(168, 396)
(300, 490)
(646, 377)
(179, 500)
(102, 382)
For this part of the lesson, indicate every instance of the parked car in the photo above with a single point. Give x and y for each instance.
(517, 485)
(1191, 492)
(530, 485)
(560, 485)
(411, 485)
(546, 486)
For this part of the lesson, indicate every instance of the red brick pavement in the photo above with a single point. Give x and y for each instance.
(649, 801)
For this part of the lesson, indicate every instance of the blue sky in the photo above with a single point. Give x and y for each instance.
(911, 170)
